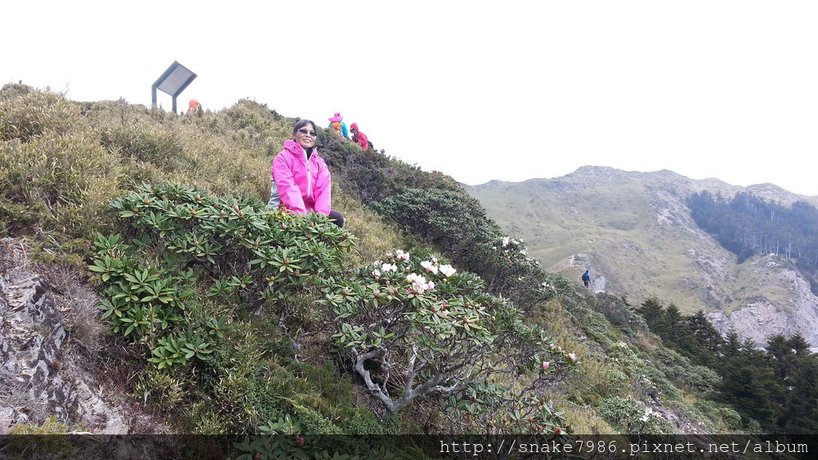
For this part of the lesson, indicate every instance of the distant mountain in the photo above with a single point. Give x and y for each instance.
(635, 232)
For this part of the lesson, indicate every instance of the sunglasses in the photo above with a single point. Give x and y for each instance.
(306, 132)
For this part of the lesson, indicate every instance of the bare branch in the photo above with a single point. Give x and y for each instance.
(381, 393)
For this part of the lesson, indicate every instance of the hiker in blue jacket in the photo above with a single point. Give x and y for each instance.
(586, 278)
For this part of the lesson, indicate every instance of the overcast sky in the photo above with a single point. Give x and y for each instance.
(507, 90)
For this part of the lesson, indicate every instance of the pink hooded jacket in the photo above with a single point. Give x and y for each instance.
(302, 185)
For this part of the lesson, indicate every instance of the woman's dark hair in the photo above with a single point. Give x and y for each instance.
(302, 123)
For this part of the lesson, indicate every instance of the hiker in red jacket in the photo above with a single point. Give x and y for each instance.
(358, 137)
(194, 107)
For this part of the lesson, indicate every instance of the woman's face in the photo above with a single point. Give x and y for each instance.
(305, 136)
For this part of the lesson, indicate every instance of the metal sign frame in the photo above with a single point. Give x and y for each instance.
(173, 81)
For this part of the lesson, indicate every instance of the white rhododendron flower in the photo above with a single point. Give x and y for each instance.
(415, 278)
(447, 270)
(419, 283)
(429, 266)
(505, 241)
(389, 268)
(648, 413)
(400, 255)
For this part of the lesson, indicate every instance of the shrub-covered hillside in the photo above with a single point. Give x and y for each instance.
(420, 316)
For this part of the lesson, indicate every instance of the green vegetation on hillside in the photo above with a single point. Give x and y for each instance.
(748, 225)
(420, 316)
(775, 389)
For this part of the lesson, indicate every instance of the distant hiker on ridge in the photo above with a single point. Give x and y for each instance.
(358, 137)
(586, 278)
(194, 107)
(337, 125)
(301, 180)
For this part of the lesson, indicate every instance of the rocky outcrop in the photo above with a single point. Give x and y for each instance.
(784, 305)
(41, 373)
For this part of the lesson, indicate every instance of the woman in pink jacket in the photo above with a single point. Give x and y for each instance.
(301, 180)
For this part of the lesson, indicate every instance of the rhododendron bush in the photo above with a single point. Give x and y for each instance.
(457, 224)
(412, 325)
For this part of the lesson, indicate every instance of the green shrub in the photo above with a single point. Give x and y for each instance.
(14, 90)
(656, 381)
(698, 378)
(33, 113)
(161, 389)
(143, 143)
(48, 440)
(194, 267)
(442, 218)
(633, 417)
(363, 422)
(456, 223)
(597, 378)
(623, 355)
(618, 313)
(248, 252)
(204, 419)
(730, 418)
(53, 173)
(65, 180)
(254, 117)
(51, 425)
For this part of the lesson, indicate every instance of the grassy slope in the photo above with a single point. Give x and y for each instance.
(229, 153)
(633, 229)
(607, 225)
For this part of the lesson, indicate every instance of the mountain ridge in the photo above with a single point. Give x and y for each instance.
(761, 189)
(634, 230)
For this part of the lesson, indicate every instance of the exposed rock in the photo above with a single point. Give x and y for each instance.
(42, 372)
(762, 317)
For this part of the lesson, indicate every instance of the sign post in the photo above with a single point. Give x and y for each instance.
(172, 82)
